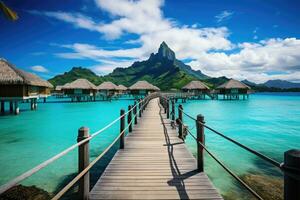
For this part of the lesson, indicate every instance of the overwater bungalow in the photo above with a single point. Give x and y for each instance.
(233, 89)
(197, 89)
(17, 85)
(58, 89)
(80, 90)
(142, 88)
(122, 89)
(107, 89)
(58, 92)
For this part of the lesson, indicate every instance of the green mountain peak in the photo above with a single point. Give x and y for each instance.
(165, 52)
(161, 69)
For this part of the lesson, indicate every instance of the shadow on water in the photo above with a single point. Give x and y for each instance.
(178, 178)
(13, 140)
(266, 168)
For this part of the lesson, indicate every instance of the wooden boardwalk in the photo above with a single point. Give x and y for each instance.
(155, 164)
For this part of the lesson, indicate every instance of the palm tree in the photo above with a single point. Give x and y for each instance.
(10, 14)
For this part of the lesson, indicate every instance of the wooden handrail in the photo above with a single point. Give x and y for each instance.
(37, 168)
(290, 167)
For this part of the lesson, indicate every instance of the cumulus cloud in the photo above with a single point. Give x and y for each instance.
(39, 68)
(224, 15)
(255, 61)
(206, 46)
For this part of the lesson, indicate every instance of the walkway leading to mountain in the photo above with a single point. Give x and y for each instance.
(155, 164)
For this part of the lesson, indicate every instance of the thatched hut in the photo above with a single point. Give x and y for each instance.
(58, 88)
(121, 89)
(58, 92)
(142, 88)
(80, 89)
(232, 89)
(107, 88)
(17, 85)
(196, 88)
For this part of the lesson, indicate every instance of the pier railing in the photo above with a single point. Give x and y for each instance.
(290, 167)
(84, 165)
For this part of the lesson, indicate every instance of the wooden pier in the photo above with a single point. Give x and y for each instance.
(154, 164)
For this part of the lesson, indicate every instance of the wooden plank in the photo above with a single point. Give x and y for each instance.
(155, 164)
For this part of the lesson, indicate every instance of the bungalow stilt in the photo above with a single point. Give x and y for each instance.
(17, 85)
(232, 90)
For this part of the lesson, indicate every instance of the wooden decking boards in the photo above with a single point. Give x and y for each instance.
(155, 164)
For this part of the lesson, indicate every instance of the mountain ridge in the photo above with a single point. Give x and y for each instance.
(164, 70)
(161, 69)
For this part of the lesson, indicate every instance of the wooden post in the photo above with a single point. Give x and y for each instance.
(11, 107)
(2, 107)
(168, 109)
(31, 104)
(180, 126)
(35, 104)
(200, 138)
(44, 99)
(291, 174)
(83, 162)
(17, 109)
(129, 118)
(145, 104)
(134, 112)
(140, 105)
(122, 127)
(173, 110)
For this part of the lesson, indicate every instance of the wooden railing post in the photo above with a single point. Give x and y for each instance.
(83, 162)
(122, 127)
(173, 109)
(180, 126)
(165, 105)
(200, 138)
(291, 174)
(129, 118)
(2, 107)
(140, 105)
(134, 112)
(168, 109)
(144, 103)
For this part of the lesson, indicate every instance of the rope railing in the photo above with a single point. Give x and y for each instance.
(290, 167)
(264, 157)
(140, 105)
(225, 167)
(215, 158)
(82, 173)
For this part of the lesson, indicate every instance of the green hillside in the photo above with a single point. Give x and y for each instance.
(161, 69)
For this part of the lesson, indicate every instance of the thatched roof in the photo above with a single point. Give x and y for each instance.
(58, 88)
(10, 75)
(122, 87)
(143, 85)
(195, 85)
(233, 84)
(80, 84)
(107, 86)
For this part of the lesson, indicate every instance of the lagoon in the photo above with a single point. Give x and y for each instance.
(267, 122)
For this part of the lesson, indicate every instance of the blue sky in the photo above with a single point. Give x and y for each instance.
(254, 39)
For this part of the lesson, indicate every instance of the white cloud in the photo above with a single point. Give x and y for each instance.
(206, 46)
(255, 61)
(39, 68)
(224, 15)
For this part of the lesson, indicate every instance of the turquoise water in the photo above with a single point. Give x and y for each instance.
(266, 122)
(34, 136)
